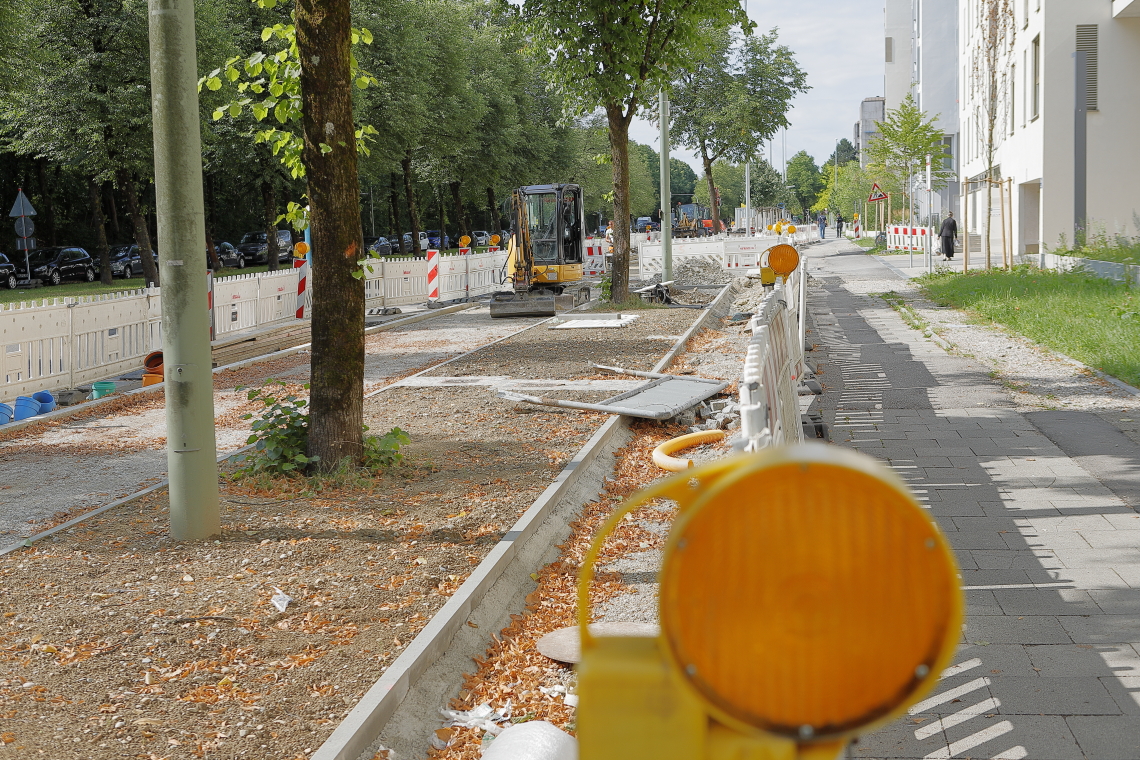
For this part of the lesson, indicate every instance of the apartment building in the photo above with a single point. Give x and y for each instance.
(1064, 135)
(871, 111)
(922, 49)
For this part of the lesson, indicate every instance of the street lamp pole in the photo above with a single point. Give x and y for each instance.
(666, 193)
(191, 452)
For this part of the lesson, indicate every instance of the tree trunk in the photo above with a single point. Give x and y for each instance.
(493, 220)
(713, 203)
(394, 226)
(96, 191)
(442, 222)
(211, 247)
(113, 217)
(269, 198)
(336, 396)
(410, 196)
(142, 234)
(46, 202)
(619, 157)
(460, 215)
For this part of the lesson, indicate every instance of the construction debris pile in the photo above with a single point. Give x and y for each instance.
(714, 414)
(752, 294)
(695, 272)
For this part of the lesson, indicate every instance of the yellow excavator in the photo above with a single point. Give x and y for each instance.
(544, 254)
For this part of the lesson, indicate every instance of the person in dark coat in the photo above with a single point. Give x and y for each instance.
(948, 233)
(839, 222)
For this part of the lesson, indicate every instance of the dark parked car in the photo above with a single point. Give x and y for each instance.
(253, 247)
(229, 256)
(58, 263)
(126, 261)
(380, 247)
(8, 274)
(433, 240)
(396, 243)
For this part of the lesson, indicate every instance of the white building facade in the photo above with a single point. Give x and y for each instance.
(1036, 140)
(922, 49)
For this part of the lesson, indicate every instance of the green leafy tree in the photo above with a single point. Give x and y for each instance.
(728, 178)
(804, 180)
(729, 104)
(617, 57)
(769, 189)
(844, 152)
(906, 138)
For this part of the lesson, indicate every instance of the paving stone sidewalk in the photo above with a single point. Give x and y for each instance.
(1049, 664)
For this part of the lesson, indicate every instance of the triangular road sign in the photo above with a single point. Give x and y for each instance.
(877, 194)
(23, 206)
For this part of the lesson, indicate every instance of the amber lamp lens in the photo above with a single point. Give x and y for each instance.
(809, 598)
(783, 259)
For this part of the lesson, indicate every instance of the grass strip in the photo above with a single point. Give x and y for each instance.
(1093, 320)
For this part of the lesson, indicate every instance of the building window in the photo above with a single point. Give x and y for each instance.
(890, 49)
(1087, 42)
(1012, 98)
(1036, 76)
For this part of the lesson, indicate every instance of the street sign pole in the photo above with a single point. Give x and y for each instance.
(22, 210)
(666, 194)
(191, 452)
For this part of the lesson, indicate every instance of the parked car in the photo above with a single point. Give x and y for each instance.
(122, 258)
(255, 250)
(229, 256)
(380, 247)
(433, 240)
(58, 263)
(480, 238)
(643, 224)
(8, 274)
(396, 243)
(424, 245)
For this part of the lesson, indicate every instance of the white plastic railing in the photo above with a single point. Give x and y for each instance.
(773, 368)
(730, 252)
(62, 342)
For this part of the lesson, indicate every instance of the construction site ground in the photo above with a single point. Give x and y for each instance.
(116, 641)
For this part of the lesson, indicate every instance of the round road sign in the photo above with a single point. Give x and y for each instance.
(25, 227)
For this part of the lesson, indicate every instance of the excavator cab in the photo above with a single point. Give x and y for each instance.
(544, 254)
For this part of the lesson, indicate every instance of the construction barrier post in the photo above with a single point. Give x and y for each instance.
(433, 275)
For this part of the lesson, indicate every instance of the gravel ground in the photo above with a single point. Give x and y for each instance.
(1033, 376)
(625, 589)
(117, 641)
(118, 449)
(695, 272)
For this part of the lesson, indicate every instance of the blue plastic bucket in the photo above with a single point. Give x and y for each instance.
(47, 401)
(5, 414)
(26, 407)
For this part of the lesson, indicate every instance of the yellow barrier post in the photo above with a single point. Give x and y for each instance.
(805, 598)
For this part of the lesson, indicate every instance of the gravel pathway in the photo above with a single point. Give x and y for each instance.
(94, 460)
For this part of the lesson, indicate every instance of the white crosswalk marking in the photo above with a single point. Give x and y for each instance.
(971, 741)
(948, 696)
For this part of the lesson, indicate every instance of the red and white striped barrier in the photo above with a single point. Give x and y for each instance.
(858, 229)
(433, 275)
(595, 260)
(210, 300)
(907, 238)
(464, 251)
(302, 284)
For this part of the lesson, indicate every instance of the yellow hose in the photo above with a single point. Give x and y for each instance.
(661, 454)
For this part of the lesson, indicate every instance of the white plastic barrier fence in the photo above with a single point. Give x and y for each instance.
(907, 238)
(402, 281)
(62, 342)
(728, 252)
(595, 258)
(769, 398)
(246, 301)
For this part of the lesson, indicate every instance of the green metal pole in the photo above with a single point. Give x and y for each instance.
(190, 447)
(666, 193)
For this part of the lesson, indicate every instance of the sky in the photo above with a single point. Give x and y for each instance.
(839, 43)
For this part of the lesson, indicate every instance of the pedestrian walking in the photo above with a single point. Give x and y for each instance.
(610, 236)
(948, 233)
(822, 221)
(839, 220)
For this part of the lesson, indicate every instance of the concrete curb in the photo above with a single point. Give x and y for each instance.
(71, 411)
(364, 724)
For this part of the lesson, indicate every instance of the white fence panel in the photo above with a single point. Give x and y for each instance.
(452, 277)
(405, 281)
(769, 403)
(277, 297)
(235, 303)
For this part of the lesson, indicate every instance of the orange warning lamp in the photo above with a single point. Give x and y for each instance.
(783, 259)
(300, 249)
(805, 598)
(495, 240)
(464, 241)
(791, 229)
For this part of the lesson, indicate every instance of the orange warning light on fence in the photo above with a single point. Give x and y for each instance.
(783, 259)
(300, 249)
(495, 239)
(805, 598)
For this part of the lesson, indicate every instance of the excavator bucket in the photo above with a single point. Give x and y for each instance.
(522, 305)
